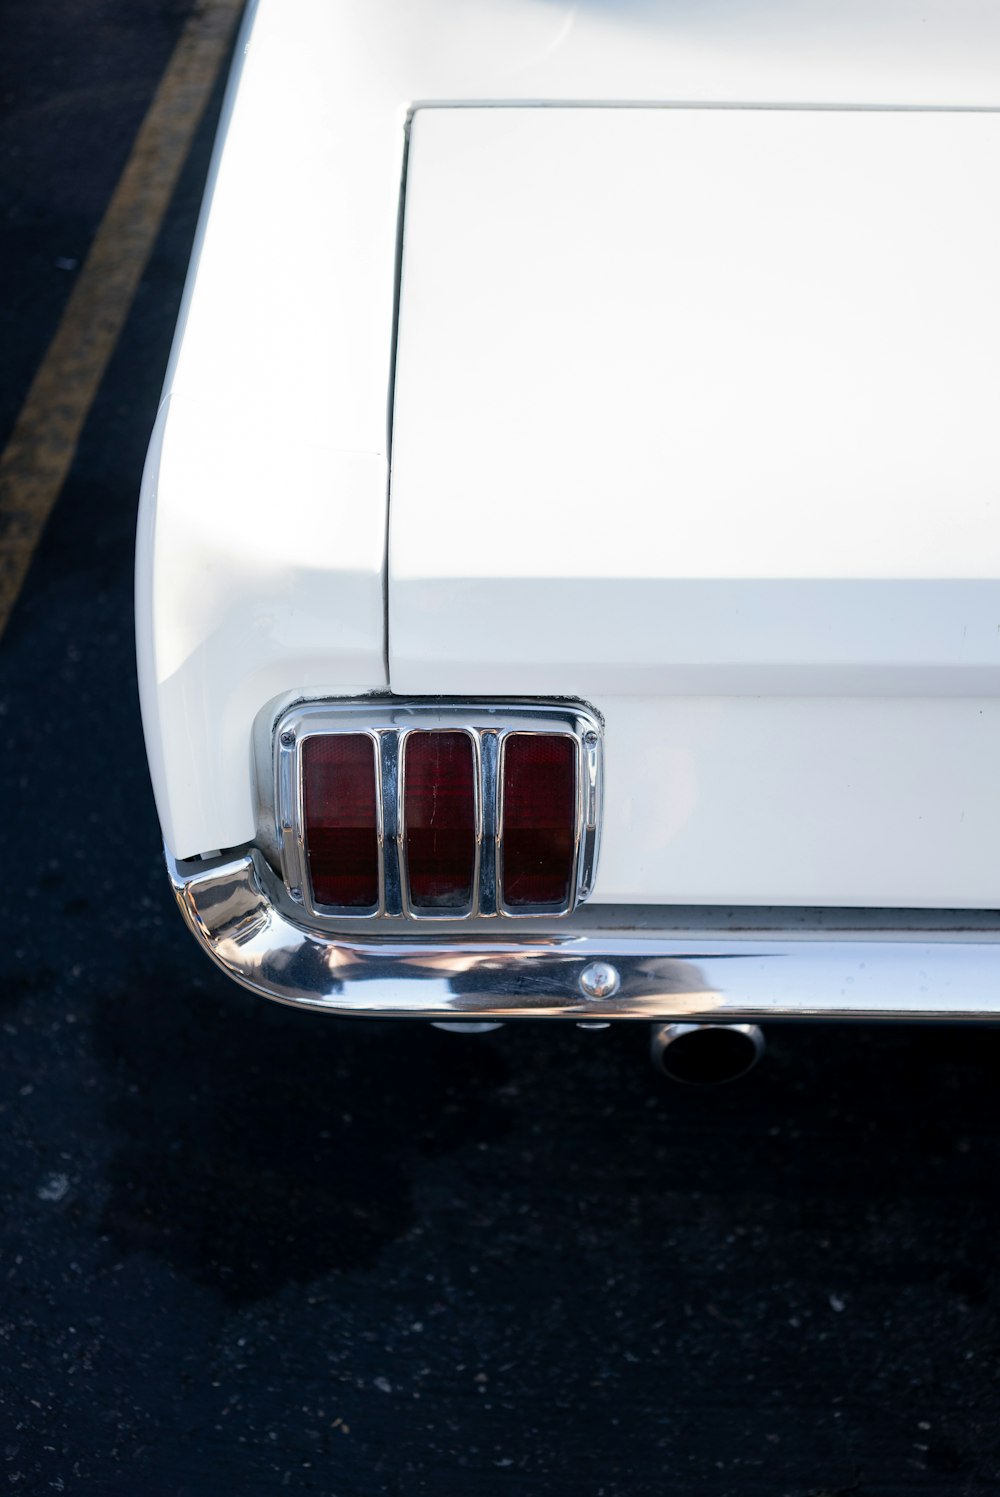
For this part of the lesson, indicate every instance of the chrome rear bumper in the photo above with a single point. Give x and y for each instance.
(715, 965)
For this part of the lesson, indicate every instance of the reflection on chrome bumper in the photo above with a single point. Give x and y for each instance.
(732, 965)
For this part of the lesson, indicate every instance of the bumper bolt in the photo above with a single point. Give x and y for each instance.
(599, 980)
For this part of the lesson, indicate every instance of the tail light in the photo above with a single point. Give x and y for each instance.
(538, 819)
(439, 817)
(438, 812)
(340, 803)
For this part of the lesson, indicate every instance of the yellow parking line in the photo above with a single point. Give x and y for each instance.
(37, 457)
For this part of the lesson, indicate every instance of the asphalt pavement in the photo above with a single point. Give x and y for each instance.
(246, 1250)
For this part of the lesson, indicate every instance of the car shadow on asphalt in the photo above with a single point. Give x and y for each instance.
(263, 1147)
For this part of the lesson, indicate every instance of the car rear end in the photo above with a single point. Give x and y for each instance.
(568, 568)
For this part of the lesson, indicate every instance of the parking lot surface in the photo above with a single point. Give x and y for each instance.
(247, 1250)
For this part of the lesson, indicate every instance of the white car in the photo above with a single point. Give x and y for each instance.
(570, 539)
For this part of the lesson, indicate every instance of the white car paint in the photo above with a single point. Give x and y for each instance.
(698, 401)
(857, 802)
(262, 533)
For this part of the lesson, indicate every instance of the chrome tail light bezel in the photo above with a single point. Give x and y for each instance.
(389, 724)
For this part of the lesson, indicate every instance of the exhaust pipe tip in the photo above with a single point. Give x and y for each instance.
(706, 1054)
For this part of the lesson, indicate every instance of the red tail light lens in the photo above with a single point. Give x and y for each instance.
(341, 820)
(539, 819)
(440, 819)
